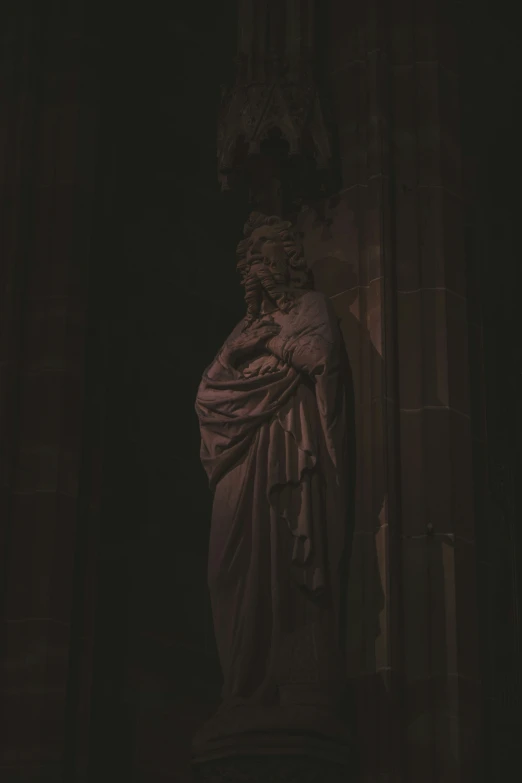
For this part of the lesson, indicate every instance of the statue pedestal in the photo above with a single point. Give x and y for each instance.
(272, 769)
(284, 731)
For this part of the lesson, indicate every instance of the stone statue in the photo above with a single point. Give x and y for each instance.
(272, 409)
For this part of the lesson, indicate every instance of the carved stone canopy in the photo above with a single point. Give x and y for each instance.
(272, 134)
(253, 113)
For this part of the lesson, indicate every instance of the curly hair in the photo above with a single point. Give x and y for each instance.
(256, 276)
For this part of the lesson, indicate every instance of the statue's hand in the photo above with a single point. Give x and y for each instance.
(252, 341)
(262, 366)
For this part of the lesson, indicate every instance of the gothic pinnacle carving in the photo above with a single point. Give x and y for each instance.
(274, 88)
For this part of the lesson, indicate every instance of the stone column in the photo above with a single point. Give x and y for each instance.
(391, 254)
(493, 157)
(49, 144)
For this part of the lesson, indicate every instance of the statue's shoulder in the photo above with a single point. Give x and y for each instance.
(316, 301)
(317, 296)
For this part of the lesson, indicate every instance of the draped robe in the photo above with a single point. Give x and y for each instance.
(274, 447)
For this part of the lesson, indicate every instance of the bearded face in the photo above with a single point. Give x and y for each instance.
(272, 243)
(279, 251)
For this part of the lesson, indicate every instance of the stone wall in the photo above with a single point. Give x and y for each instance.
(390, 251)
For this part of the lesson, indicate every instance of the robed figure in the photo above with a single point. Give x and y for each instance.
(272, 409)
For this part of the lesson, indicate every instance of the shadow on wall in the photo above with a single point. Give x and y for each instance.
(340, 255)
(327, 241)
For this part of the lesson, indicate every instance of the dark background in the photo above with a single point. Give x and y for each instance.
(166, 295)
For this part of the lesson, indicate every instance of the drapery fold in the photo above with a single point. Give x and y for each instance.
(274, 449)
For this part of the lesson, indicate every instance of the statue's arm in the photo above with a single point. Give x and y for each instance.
(312, 354)
(313, 348)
